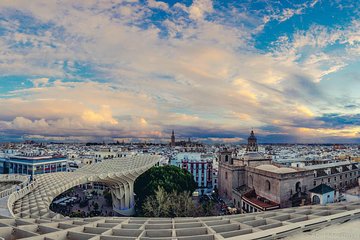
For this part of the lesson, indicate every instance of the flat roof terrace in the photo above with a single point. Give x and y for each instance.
(33, 160)
(275, 224)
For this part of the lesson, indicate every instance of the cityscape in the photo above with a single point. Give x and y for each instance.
(179, 120)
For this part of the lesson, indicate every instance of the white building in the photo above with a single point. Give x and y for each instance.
(322, 194)
(201, 166)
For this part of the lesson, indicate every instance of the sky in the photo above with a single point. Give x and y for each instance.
(211, 70)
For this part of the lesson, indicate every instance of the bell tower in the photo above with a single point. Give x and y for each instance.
(252, 143)
(172, 143)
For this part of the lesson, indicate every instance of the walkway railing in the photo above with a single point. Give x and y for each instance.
(12, 178)
(20, 194)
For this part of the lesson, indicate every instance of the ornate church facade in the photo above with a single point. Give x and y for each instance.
(253, 183)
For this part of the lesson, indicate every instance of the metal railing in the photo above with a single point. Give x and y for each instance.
(23, 179)
(20, 194)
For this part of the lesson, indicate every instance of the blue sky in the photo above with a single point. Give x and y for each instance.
(212, 70)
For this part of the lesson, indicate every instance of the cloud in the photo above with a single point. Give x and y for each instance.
(104, 115)
(339, 121)
(158, 4)
(128, 69)
(40, 82)
(199, 8)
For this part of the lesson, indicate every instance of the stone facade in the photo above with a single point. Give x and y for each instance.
(287, 187)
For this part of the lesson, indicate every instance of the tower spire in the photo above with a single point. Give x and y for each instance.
(252, 143)
(172, 143)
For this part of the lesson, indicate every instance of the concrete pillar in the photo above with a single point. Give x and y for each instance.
(117, 197)
(132, 199)
(122, 199)
(127, 195)
(115, 201)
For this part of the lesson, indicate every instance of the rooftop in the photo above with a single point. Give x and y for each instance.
(275, 169)
(322, 189)
(260, 201)
(327, 165)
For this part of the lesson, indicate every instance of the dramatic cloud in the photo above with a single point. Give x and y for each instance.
(208, 69)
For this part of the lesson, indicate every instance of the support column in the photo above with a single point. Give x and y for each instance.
(115, 200)
(132, 199)
(125, 200)
(127, 195)
(122, 199)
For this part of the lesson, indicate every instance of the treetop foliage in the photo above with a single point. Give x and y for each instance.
(170, 178)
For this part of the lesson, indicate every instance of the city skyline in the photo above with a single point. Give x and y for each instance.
(211, 70)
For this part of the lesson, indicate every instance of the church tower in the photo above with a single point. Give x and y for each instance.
(172, 143)
(252, 143)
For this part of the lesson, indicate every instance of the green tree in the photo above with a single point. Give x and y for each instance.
(96, 206)
(158, 205)
(170, 178)
(164, 204)
(182, 205)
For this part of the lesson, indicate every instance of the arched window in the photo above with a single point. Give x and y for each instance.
(226, 158)
(267, 185)
(316, 199)
(298, 187)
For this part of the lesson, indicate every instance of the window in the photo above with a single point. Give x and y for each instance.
(225, 175)
(298, 187)
(267, 185)
(314, 183)
(340, 177)
(328, 179)
(335, 179)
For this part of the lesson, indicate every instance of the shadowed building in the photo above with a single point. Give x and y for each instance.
(186, 146)
(253, 183)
